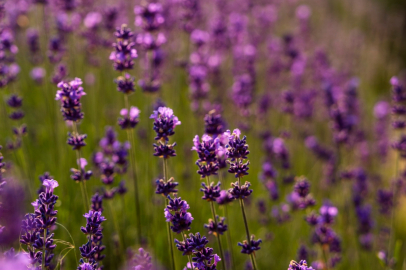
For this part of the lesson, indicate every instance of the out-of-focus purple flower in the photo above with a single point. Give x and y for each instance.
(149, 17)
(97, 202)
(385, 201)
(81, 174)
(129, 119)
(125, 84)
(142, 260)
(124, 54)
(214, 124)
(92, 20)
(38, 74)
(225, 197)
(77, 141)
(14, 101)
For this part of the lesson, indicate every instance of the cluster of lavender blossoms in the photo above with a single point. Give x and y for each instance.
(91, 251)
(324, 235)
(37, 228)
(112, 162)
(302, 265)
(237, 152)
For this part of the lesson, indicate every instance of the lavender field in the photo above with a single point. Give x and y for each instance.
(191, 134)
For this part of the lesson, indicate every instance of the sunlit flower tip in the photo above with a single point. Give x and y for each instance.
(50, 184)
(240, 192)
(394, 81)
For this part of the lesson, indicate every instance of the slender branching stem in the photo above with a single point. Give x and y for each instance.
(213, 212)
(130, 138)
(168, 228)
(244, 216)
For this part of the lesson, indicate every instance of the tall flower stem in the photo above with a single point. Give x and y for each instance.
(130, 138)
(253, 262)
(325, 255)
(213, 212)
(228, 233)
(116, 227)
(82, 182)
(168, 226)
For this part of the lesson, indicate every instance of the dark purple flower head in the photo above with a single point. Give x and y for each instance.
(240, 192)
(184, 246)
(164, 150)
(125, 84)
(124, 54)
(77, 141)
(236, 148)
(207, 149)
(238, 168)
(212, 192)
(385, 201)
(166, 188)
(302, 187)
(129, 119)
(248, 248)
(176, 213)
(14, 101)
(164, 123)
(55, 49)
(16, 115)
(97, 202)
(69, 95)
(218, 227)
(312, 219)
(268, 171)
(214, 124)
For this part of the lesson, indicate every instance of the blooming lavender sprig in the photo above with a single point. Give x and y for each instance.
(36, 227)
(176, 213)
(91, 251)
(237, 151)
(202, 256)
(324, 235)
(301, 198)
(69, 96)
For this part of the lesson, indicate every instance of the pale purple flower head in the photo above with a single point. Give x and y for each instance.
(165, 123)
(50, 184)
(92, 20)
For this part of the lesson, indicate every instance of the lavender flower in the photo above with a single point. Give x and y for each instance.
(91, 251)
(129, 119)
(252, 246)
(176, 213)
(164, 123)
(142, 261)
(69, 96)
(124, 54)
(166, 188)
(82, 174)
(216, 227)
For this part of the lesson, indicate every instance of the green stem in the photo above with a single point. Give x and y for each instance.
(130, 138)
(213, 212)
(168, 228)
(228, 235)
(82, 182)
(116, 227)
(253, 262)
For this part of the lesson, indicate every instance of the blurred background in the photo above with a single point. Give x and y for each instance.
(292, 52)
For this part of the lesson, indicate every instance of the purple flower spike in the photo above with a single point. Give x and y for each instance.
(124, 54)
(248, 248)
(164, 123)
(142, 261)
(50, 184)
(69, 95)
(212, 192)
(176, 213)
